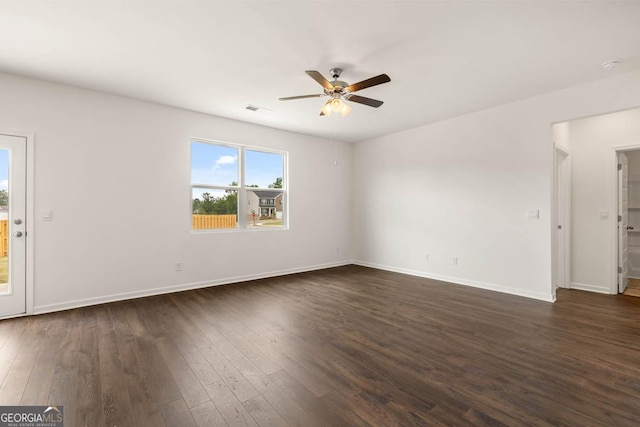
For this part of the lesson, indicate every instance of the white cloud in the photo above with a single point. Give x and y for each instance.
(226, 160)
(4, 184)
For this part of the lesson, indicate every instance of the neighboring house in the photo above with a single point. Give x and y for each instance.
(279, 205)
(265, 203)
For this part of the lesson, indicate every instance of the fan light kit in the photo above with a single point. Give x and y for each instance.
(339, 92)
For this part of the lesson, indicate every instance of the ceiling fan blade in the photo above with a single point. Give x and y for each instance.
(364, 100)
(289, 98)
(373, 81)
(320, 79)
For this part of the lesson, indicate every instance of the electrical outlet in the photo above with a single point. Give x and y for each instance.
(178, 266)
(454, 261)
(426, 256)
(337, 250)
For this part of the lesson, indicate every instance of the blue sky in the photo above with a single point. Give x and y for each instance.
(218, 165)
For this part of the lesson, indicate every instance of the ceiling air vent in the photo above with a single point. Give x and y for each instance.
(256, 108)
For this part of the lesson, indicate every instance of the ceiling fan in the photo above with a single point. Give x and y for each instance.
(339, 91)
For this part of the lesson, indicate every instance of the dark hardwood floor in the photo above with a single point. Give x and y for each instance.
(348, 346)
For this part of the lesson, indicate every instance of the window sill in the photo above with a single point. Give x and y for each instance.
(239, 230)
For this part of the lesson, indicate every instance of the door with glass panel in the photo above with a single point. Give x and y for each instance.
(12, 225)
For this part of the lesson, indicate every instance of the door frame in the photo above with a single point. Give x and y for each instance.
(613, 208)
(564, 257)
(29, 223)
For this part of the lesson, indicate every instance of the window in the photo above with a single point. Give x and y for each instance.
(237, 187)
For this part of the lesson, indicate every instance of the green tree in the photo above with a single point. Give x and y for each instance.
(195, 207)
(277, 183)
(4, 198)
(207, 204)
(210, 205)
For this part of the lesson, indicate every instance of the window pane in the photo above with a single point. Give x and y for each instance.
(214, 208)
(4, 222)
(265, 208)
(263, 170)
(213, 164)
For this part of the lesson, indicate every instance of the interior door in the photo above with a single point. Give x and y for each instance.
(623, 222)
(13, 150)
(561, 218)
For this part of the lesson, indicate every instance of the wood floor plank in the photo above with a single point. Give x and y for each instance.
(116, 401)
(306, 400)
(19, 373)
(633, 288)
(232, 410)
(206, 415)
(65, 379)
(13, 343)
(229, 374)
(89, 383)
(275, 396)
(146, 410)
(263, 413)
(176, 414)
(36, 391)
(190, 388)
(346, 346)
(6, 330)
(181, 330)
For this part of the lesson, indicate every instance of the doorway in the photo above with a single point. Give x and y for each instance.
(563, 218)
(13, 221)
(628, 227)
(597, 241)
(623, 221)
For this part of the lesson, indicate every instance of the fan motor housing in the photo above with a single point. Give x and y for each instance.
(338, 86)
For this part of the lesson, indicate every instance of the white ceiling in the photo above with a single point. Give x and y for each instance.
(444, 58)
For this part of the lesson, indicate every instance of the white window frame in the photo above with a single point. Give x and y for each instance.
(243, 210)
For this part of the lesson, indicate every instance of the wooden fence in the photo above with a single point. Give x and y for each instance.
(201, 222)
(4, 237)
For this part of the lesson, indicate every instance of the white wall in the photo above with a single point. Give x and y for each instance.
(462, 188)
(562, 135)
(594, 189)
(115, 172)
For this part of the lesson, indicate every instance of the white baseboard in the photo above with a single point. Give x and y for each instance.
(458, 281)
(177, 288)
(238, 279)
(590, 288)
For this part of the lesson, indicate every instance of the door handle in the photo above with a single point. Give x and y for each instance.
(17, 234)
(629, 227)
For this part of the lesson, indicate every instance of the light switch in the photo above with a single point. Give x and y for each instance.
(47, 216)
(533, 214)
(604, 214)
